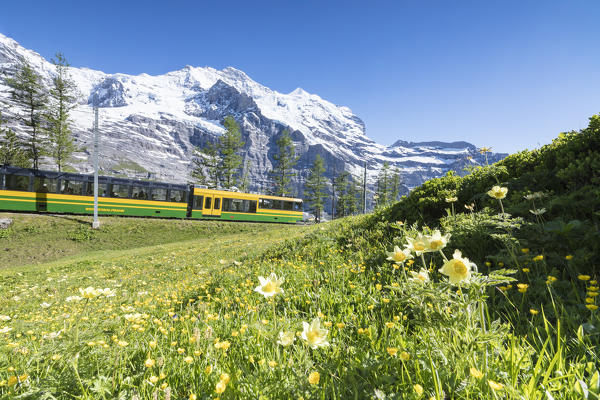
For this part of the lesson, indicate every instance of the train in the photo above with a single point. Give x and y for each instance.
(32, 190)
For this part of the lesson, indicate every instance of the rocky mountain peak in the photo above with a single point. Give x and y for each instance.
(149, 125)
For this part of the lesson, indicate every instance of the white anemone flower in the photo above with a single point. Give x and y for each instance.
(89, 292)
(314, 335)
(399, 256)
(437, 241)
(270, 286)
(498, 192)
(286, 338)
(418, 245)
(5, 318)
(74, 298)
(458, 269)
(421, 277)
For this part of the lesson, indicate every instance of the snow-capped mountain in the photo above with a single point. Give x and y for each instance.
(150, 124)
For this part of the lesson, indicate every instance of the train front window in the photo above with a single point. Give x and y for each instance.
(71, 187)
(17, 182)
(44, 185)
(297, 206)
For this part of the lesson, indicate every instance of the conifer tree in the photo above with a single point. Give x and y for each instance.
(351, 196)
(206, 164)
(395, 189)
(245, 181)
(230, 143)
(62, 100)
(11, 148)
(383, 185)
(341, 188)
(315, 186)
(28, 92)
(286, 159)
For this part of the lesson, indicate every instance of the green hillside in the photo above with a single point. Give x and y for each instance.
(512, 316)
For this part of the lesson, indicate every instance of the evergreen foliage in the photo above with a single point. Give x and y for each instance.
(28, 92)
(229, 146)
(11, 148)
(285, 160)
(206, 164)
(314, 188)
(62, 100)
(219, 164)
(347, 191)
(383, 193)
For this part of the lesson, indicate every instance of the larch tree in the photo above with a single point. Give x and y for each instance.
(206, 165)
(230, 144)
(314, 188)
(29, 93)
(62, 99)
(11, 148)
(383, 185)
(285, 159)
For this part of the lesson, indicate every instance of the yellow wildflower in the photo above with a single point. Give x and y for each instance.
(458, 269)
(270, 286)
(314, 378)
(314, 335)
(404, 356)
(392, 351)
(418, 389)
(538, 257)
(495, 385)
(149, 363)
(522, 287)
(399, 256)
(498, 192)
(583, 277)
(475, 373)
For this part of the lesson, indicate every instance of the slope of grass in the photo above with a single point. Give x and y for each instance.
(207, 319)
(38, 238)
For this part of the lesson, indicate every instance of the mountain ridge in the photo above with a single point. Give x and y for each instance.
(155, 121)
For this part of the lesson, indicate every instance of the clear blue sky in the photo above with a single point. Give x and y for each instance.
(506, 74)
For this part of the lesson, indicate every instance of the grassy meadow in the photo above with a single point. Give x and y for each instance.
(475, 287)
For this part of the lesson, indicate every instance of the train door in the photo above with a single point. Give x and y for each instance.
(212, 206)
(216, 211)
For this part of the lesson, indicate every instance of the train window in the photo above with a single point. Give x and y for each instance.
(208, 203)
(250, 206)
(266, 204)
(1, 181)
(177, 196)
(159, 194)
(198, 200)
(277, 205)
(89, 189)
(121, 191)
(288, 205)
(139, 193)
(217, 203)
(297, 206)
(71, 187)
(44, 185)
(17, 182)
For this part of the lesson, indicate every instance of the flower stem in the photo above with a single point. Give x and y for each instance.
(502, 208)
(423, 259)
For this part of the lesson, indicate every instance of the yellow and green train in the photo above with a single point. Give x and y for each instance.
(29, 190)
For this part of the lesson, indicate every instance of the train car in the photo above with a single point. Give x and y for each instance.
(23, 189)
(236, 206)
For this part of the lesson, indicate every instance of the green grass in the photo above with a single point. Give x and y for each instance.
(38, 238)
(184, 320)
